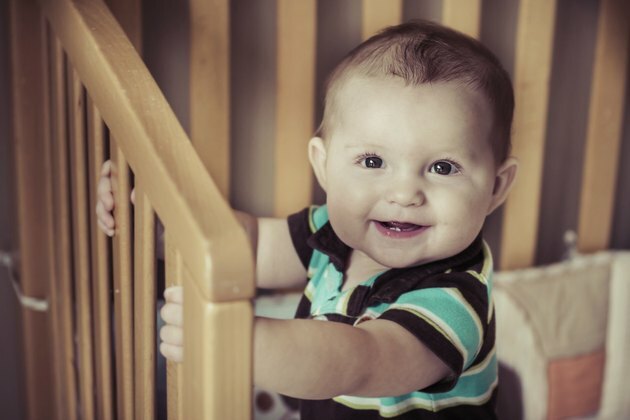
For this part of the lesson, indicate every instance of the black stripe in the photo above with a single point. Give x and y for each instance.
(487, 345)
(303, 310)
(300, 230)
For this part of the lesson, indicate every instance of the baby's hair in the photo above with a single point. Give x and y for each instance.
(424, 52)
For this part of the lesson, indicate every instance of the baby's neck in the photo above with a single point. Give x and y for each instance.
(360, 268)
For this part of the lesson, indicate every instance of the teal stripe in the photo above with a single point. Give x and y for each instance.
(320, 216)
(444, 308)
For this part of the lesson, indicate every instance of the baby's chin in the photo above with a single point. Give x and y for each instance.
(394, 260)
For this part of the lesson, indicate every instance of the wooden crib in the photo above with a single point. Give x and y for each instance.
(81, 94)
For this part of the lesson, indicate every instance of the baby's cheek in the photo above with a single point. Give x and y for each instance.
(464, 213)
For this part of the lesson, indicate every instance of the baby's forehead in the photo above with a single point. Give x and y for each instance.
(359, 91)
(450, 112)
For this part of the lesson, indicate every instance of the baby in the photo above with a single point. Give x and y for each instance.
(396, 319)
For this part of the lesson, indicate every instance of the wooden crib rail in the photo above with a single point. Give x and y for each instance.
(155, 146)
(207, 251)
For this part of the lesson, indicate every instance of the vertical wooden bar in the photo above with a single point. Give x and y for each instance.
(210, 87)
(100, 273)
(31, 145)
(123, 292)
(377, 14)
(534, 46)
(144, 307)
(605, 122)
(296, 38)
(463, 15)
(218, 356)
(61, 292)
(174, 371)
(55, 298)
(80, 242)
(129, 15)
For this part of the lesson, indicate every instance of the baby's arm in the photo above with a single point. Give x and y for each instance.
(318, 359)
(278, 265)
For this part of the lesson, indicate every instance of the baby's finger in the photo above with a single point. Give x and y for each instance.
(133, 196)
(104, 191)
(172, 335)
(172, 313)
(104, 216)
(174, 294)
(106, 169)
(172, 353)
(107, 231)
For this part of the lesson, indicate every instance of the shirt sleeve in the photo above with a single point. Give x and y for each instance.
(451, 321)
(300, 230)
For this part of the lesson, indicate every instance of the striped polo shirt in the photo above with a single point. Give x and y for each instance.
(446, 304)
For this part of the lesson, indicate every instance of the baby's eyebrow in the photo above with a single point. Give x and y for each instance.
(363, 146)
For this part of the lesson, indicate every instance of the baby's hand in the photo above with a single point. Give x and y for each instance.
(105, 201)
(172, 334)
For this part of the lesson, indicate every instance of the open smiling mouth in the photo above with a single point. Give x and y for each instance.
(399, 229)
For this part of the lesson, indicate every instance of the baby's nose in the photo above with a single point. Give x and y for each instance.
(406, 193)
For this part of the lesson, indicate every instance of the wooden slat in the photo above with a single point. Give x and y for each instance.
(296, 38)
(123, 297)
(210, 87)
(174, 371)
(605, 122)
(80, 243)
(144, 306)
(534, 48)
(61, 292)
(463, 15)
(219, 360)
(31, 141)
(377, 14)
(100, 273)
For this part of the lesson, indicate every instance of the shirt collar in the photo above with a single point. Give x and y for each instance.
(325, 240)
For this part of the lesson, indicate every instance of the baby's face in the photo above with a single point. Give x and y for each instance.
(408, 170)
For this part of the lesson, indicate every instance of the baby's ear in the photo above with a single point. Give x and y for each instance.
(317, 157)
(503, 182)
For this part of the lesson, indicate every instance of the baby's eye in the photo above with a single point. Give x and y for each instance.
(371, 161)
(444, 167)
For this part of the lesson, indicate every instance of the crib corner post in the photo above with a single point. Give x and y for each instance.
(218, 361)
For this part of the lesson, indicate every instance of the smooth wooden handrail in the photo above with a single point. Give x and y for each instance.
(202, 227)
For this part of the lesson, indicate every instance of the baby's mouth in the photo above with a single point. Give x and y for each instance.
(400, 226)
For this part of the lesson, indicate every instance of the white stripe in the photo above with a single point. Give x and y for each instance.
(342, 303)
(488, 264)
(480, 366)
(479, 276)
(478, 400)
